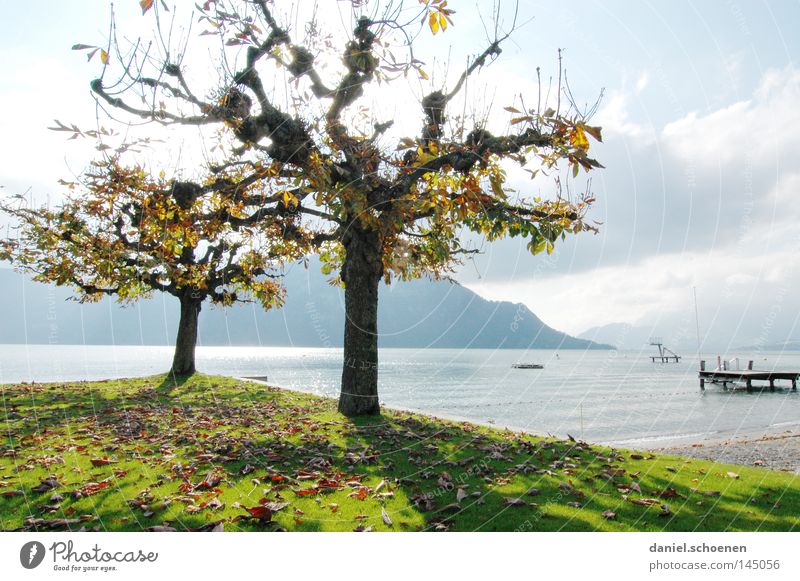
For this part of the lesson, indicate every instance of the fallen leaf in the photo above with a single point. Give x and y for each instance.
(360, 494)
(385, 517)
(91, 488)
(211, 480)
(161, 529)
(260, 512)
(275, 506)
(450, 507)
(47, 485)
(645, 501)
(54, 523)
(514, 502)
(326, 483)
(609, 515)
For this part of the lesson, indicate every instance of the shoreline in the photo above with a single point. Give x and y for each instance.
(774, 451)
(772, 448)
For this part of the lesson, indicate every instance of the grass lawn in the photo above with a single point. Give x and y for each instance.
(214, 453)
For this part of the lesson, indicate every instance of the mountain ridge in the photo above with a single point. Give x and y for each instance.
(421, 313)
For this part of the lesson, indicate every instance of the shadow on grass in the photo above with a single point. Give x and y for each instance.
(189, 452)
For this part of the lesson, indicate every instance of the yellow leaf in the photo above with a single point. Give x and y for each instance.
(289, 200)
(104, 56)
(146, 5)
(433, 22)
(578, 138)
(442, 21)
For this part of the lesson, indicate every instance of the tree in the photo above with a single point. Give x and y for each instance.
(127, 234)
(396, 209)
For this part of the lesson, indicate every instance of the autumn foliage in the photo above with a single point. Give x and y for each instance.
(126, 233)
(293, 105)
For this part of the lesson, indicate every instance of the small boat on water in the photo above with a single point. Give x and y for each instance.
(527, 366)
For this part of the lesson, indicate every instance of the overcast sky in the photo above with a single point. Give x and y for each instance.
(701, 125)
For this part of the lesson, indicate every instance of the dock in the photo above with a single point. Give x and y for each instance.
(748, 376)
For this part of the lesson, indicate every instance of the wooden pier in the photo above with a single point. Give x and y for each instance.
(748, 376)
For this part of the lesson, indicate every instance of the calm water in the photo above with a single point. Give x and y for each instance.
(602, 396)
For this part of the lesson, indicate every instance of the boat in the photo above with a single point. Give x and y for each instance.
(527, 366)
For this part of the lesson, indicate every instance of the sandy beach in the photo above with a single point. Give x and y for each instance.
(775, 451)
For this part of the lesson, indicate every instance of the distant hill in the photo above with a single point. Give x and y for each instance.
(620, 335)
(421, 313)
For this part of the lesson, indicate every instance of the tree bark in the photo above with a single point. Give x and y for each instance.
(183, 361)
(361, 274)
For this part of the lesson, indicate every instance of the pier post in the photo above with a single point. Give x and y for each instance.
(749, 385)
(771, 384)
(794, 384)
(750, 365)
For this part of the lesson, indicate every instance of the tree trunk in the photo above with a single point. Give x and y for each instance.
(183, 361)
(361, 274)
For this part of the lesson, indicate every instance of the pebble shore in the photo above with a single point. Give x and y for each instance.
(774, 451)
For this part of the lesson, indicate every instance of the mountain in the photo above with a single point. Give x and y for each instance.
(421, 313)
(622, 336)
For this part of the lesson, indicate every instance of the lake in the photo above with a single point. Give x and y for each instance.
(614, 397)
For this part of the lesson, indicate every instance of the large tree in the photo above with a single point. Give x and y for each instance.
(391, 205)
(125, 233)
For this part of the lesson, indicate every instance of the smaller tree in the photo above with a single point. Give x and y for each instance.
(129, 234)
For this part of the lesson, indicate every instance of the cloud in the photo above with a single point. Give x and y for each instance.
(736, 294)
(759, 130)
(615, 118)
(710, 202)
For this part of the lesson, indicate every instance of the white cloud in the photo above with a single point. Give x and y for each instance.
(759, 130)
(658, 290)
(614, 117)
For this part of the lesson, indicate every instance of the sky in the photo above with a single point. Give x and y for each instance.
(701, 124)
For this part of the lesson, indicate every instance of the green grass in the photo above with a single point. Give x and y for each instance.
(197, 453)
